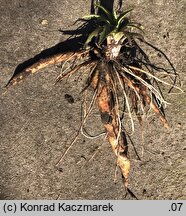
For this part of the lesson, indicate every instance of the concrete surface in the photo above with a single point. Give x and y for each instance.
(37, 123)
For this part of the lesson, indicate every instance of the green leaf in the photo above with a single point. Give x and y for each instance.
(91, 16)
(95, 33)
(103, 9)
(121, 17)
(98, 17)
(137, 24)
(115, 15)
(107, 13)
(136, 35)
(133, 35)
(118, 36)
(123, 24)
(139, 27)
(103, 35)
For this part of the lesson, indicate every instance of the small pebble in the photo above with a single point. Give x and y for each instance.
(44, 22)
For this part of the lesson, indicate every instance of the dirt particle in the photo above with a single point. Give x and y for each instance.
(166, 36)
(144, 191)
(83, 157)
(69, 98)
(60, 169)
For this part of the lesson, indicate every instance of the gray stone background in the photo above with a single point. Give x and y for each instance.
(37, 123)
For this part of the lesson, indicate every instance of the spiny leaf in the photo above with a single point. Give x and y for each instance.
(122, 16)
(131, 35)
(107, 13)
(93, 34)
(91, 16)
(137, 35)
(95, 16)
(123, 24)
(139, 27)
(137, 24)
(115, 16)
(103, 35)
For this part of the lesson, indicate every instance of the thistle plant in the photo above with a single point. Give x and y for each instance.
(116, 63)
(113, 30)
